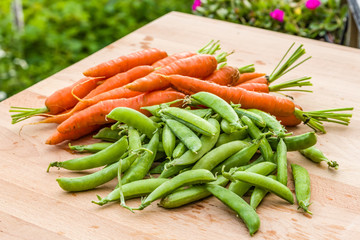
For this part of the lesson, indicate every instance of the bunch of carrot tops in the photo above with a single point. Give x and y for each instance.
(199, 119)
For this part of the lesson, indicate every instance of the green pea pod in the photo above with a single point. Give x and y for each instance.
(315, 155)
(186, 178)
(225, 138)
(191, 194)
(258, 194)
(179, 150)
(169, 141)
(207, 143)
(90, 181)
(226, 127)
(271, 122)
(172, 170)
(281, 161)
(255, 133)
(256, 118)
(91, 148)
(132, 190)
(107, 134)
(264, 168)
(190, 120)
(134, 139)
(135, 119)
(264, 182)
(185, 134)
(219, 105)
(236, 203)
(240, 158)
(217, 155)
(159, 168)
(142, 165)
(201, 112)
(107, 156)
(295, 143)
(302, 186)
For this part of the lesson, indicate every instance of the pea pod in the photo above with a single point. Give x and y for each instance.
(315, 155)
(258, 194)
(186, 178)
(132, 190)
(264, 168)
(169, 141)
(295, 143)
(256, 118)
(142, 165)
(179, 150)
(190, 120)
(207, 143)
(185, 134)
(134, 139)
(219, 105)
(228, 128)
(92, 148)
(302, 186)
(225, 138)
(135, 119)
(271, 122)
(172, 170)
(238, 204)
(255, 133)
(107, 134)
(191, 194)
(90, 181)
(281, 161)
(217, 155)
(107, 156)
(259, 180)
(201, 112)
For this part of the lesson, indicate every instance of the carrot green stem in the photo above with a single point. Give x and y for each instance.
(24, 113)
(211, 48)
(247, 69)
(315, 119)
(281, 70)
(287, 86)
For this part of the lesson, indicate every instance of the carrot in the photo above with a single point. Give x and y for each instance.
(125, 63)
(121, 79)
(172, 58)
(226, 75)
(96, 114)
(275, 105)
(262, 80)
(57, 137)
(195, 66)
(248, 76)
(59, 101)
(256, 87)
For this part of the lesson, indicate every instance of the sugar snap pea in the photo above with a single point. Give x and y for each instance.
(271, 122)
(226, 127)
(179, 150)
(259, 180)
(295, 143)
(169, 141)
(190, 120)
(302, 186)
(91, 148)
(225, 138)
(258, 194)
(134, 139)
(281, 161)
(135, 119)
(133, 189)
(315, 155)
(107, 156)
(186, 178)
(107, 134)
(185, 134)
(256, 118)
(238, 204)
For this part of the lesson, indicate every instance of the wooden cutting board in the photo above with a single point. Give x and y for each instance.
(32, 205)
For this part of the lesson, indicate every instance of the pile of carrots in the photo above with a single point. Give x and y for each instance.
(151, 77)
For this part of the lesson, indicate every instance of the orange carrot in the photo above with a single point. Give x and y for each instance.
(96, 114)
(199, 66)
(121, 79)
(262, 80)
(248, 76)
(126, 62)
(275, 105)
(72, 135)
(172, 58)
(226, 75)
(291, 120)
(256, 87)
(59, 101)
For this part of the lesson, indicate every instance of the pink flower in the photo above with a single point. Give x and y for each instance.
(312, 4)
(278, 15)
(196, 4)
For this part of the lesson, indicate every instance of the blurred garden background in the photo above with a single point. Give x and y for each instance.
(41, 37)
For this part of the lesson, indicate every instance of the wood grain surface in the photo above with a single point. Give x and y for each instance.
(33, 206)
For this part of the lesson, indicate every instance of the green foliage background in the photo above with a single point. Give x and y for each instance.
(59, 33)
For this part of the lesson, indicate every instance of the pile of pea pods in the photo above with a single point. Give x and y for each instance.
(182, 155)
